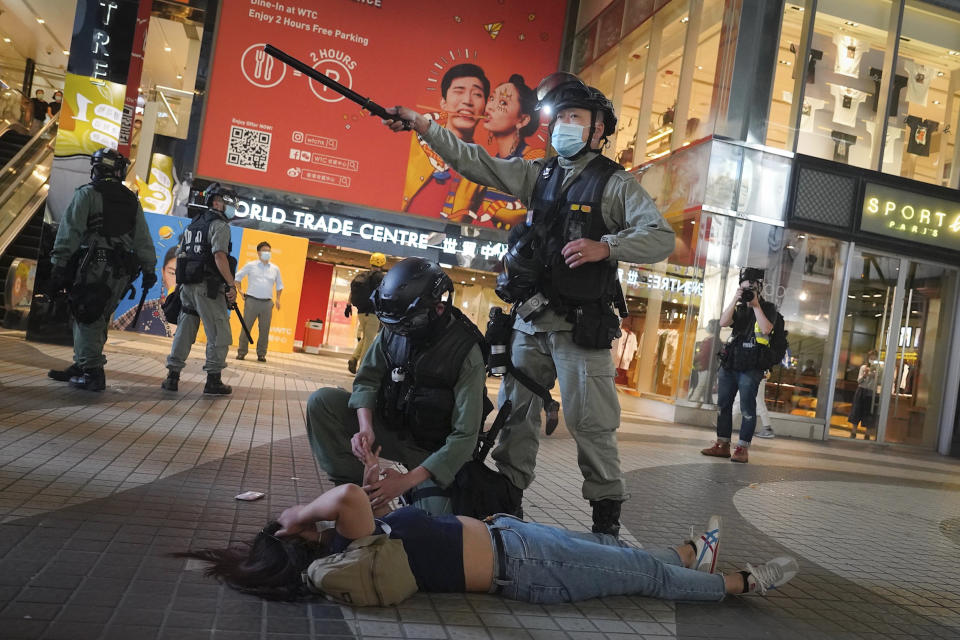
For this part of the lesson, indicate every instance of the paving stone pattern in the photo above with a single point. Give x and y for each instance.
(97, 489)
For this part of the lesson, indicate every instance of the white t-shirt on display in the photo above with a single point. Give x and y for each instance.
(846, 102)
(849, 54)
(918, 82)
(892, 147)
(810, 106)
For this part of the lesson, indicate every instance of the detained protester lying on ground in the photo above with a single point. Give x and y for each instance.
(420, 393)
(380, 562)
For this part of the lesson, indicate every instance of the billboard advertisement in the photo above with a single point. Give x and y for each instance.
(471, 65)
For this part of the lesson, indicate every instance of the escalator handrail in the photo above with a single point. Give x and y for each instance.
(23, 150)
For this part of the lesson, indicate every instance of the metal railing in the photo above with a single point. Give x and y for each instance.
(24, 183)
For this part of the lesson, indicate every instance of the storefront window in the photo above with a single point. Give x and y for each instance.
(637, 50)
(842, 76)
(671, 23)
(781, 120)
(922, 130)
(701, 87)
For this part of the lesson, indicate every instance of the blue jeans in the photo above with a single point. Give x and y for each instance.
(547, 565)
(728, 384)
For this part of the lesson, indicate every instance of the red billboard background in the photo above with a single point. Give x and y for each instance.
(268, 126)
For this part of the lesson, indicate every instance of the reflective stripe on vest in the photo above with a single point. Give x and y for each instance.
(760, 336)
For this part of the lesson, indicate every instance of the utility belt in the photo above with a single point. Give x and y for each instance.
(595, 324)
(121, 260)
(742, 353)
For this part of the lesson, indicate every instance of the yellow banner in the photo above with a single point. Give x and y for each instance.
(90, 115)
(157, 195)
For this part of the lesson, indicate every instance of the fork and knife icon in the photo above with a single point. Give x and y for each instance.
(263, 65)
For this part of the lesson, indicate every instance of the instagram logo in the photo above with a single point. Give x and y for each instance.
(297, 136)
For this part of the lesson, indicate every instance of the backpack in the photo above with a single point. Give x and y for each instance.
(361, 288)
(373, 571)
(777, 351)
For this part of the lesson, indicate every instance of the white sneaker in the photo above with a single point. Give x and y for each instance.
(766, 432)
(772, 574)
(708, 547)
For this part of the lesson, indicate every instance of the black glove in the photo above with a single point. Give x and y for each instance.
(149, 279)
(348, 311)
(58, 281)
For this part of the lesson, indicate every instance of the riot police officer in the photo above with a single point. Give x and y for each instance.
(101, 244)
(584, 214)
(419, 392)
(205, 272)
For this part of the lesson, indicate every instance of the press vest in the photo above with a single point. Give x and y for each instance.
(571, 215)
(195, 261)
(416, 395)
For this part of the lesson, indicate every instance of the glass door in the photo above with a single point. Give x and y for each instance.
(866, 328)
(341, 331)
(914, 390)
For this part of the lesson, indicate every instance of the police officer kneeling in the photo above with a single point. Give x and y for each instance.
(102, 242)
(419, 392)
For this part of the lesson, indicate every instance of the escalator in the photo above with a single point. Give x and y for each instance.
(24, 182)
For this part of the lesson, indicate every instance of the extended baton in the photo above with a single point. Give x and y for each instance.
(233, 307)
(330, 83)
(136, 316)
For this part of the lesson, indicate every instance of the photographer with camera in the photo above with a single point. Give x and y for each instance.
(585, 213)
(743, 361)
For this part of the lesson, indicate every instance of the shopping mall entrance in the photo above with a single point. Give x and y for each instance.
(891, 364)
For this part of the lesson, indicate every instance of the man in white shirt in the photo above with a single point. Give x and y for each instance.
(258, 301)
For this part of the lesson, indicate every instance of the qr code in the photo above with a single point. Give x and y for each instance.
(248, 148)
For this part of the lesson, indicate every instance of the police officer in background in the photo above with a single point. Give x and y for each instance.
(742, 363)
(101, 244)
(205, 272)
(361, 288)
(585, 214)
(419, 393)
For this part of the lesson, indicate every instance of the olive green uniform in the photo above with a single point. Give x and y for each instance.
(332, 422)
(543, 348)
(75, 234)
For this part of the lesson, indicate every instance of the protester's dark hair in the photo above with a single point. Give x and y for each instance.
(528, 104)
(268, 567)
(263, 244)
(465, 70)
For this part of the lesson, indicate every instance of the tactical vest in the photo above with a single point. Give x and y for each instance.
(572, 215)
(195, 261)
(118, 217)
(416, 394)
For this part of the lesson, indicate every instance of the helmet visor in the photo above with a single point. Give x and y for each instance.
(553, 81)
(400, 318)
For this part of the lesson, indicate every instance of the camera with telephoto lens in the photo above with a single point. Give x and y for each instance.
(499, 330)
(747, 296)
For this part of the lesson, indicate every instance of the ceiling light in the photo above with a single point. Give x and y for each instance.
(953, 53)
(850, 24)
(786, 62)
(802, 296)
(6, 39)
(936, 102)
(66, 52)
(41, 20)
(179, 76)
(939, 74)
(167, 48)
(699, 68)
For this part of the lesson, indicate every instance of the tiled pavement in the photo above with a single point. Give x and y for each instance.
(97, 488)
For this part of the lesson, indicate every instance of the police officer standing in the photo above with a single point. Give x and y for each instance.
(205, 273)
(102, 242)
(419, 393)
(586, 213)
(361, 288)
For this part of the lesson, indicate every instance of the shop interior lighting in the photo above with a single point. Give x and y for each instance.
(663, 133)
(939, 74)
(40, 20)
(66, 52)
(936, 102)
(850, 24)
(684, 19)
(953, 53)
(786, 62)
(169, 108)
(654, 156)
(878, 295)
(803, 296)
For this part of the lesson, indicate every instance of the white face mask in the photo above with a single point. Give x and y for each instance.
(567, 139)
(265, 256)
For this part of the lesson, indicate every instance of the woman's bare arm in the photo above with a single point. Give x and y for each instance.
(347, 504)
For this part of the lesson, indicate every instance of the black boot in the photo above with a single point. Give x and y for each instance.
(352, 365)
(64, 375)
(90, 379)
(171, 382)
(606, 516)
(215, 386)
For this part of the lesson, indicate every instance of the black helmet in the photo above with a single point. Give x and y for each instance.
(107, 163)
(562, 90)
(752, 274)
(406, 300)
(522, 267)
(215, 189)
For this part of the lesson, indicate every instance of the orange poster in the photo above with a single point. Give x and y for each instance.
(289, 254)
(472, 65)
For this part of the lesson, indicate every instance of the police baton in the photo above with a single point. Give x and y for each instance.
(233, 307)
(330, 83)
